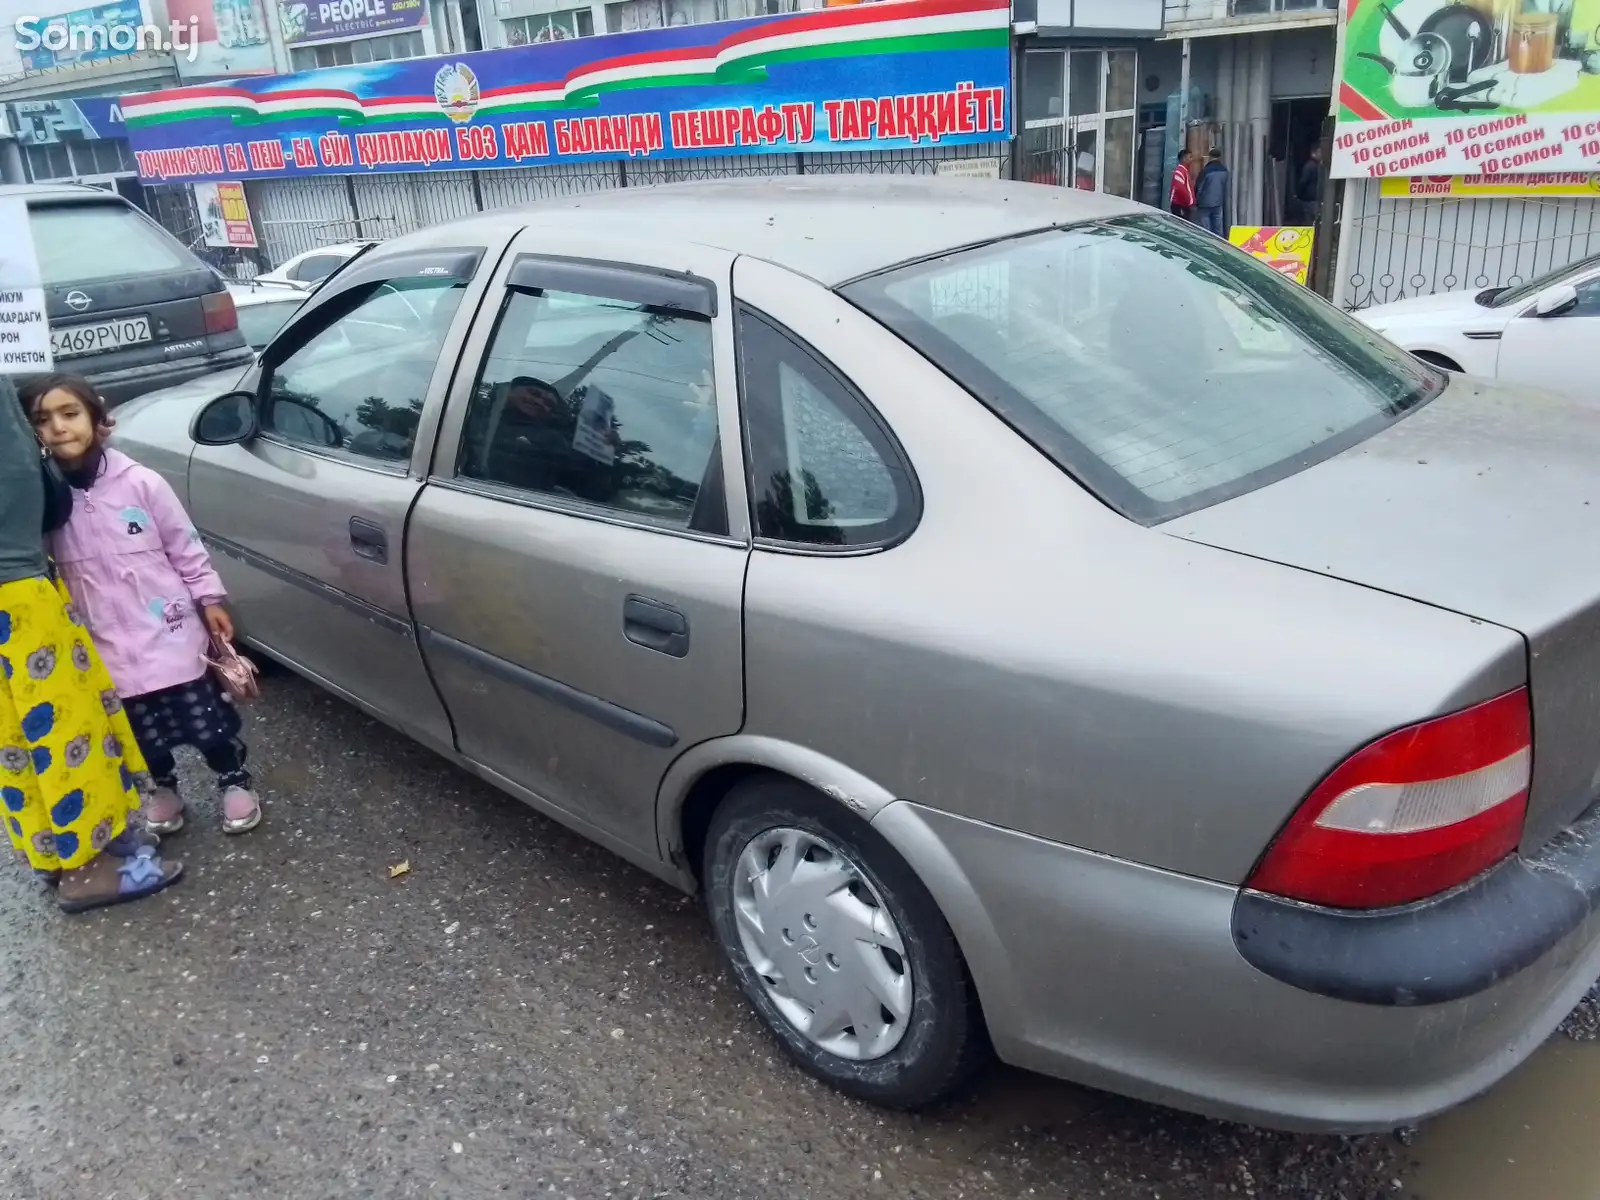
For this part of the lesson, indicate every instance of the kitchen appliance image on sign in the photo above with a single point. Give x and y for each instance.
(1493, 87)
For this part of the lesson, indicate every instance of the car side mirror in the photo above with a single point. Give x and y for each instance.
(227, 421)
(1552, 302)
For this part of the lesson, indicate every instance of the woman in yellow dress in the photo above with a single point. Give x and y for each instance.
(67, 756)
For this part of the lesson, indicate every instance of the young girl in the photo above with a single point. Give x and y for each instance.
(137, 568)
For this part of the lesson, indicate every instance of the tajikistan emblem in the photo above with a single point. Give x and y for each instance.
(455, 87)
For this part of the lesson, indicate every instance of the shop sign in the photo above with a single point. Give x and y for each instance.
(1462, 187)
(875, 77)
(1284, 248)
(325, 20)
(1500, 87)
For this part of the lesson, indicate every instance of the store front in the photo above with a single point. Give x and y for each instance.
(1079, 117)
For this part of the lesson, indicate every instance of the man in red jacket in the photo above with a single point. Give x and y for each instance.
(1182, 198)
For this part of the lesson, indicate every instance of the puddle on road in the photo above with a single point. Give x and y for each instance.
(1535, 1136)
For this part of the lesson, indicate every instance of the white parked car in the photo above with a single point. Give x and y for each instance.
(306, 270)
(1541, 334)
(264, 307)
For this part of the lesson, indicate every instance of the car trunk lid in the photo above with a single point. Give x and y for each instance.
(1485, 502)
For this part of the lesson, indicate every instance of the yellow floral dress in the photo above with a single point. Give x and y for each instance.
(68, 760)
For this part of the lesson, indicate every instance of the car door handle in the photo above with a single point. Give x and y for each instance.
(368, 540)
(655, 626)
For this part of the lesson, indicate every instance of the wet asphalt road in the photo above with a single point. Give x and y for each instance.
(521, 1015)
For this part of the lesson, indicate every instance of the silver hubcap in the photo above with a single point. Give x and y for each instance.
(825, 947)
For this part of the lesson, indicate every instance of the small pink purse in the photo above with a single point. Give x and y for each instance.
(236, 673)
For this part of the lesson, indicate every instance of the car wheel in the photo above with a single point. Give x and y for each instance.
(839, 946)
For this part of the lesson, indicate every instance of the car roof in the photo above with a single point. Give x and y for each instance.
(830, 228)
(58, 191)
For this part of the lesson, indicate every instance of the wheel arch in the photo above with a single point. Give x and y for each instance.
(696, 783)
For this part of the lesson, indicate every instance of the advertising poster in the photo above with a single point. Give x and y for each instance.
(87, 35)
(43, 122)
(325, 20)
(1461, 187)
(1284, 248)
(874, 77)
(231, 38)
(24, 328)
(224, 214)
(1496, 87)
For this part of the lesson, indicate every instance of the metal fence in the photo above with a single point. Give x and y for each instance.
(1394, 248)
(295, 215)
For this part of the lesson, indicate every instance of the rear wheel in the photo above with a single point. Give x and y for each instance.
(839, 947)
(1437, 360)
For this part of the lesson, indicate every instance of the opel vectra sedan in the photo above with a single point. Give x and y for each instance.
(1029, 622)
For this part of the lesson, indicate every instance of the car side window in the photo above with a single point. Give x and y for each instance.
(314, 268)
(824, 469)
(357, 384)
(1588, 304)
(604, 402)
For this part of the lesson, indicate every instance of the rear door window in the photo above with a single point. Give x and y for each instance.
(316, 267)
(82, 243)
(600, 402)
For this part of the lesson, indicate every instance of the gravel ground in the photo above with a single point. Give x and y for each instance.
(522, 1014)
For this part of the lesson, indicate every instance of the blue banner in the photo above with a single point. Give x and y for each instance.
(870, 77)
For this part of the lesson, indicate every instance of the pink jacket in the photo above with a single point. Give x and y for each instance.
(136, 567)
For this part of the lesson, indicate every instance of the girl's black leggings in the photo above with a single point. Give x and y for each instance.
(227, 759)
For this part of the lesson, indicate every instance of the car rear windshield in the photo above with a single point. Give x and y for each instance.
(1164, 369)
(82, 243)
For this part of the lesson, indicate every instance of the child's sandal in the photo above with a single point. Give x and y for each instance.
(107, 879)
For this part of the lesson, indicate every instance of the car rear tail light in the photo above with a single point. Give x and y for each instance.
(1411, 815)
(221, 315)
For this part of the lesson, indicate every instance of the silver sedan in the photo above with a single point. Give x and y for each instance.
(1032, 625)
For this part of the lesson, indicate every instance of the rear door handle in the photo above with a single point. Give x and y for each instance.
(368, 540)
(655, 626)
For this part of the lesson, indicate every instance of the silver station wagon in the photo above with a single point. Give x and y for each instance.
(1034, 626)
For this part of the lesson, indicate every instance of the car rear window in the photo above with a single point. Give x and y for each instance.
(80, 243)
(1164, 369)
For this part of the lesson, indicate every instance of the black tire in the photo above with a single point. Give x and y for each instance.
(945, 1041)
(1438, 360)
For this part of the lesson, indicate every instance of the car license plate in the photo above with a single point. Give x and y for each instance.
(73, 340)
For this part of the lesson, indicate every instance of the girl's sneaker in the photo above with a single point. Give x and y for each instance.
(163, 811)
(241, 810)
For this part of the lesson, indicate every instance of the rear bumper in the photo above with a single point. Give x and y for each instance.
(1446, 949)
(121, 386)
(1128, 978)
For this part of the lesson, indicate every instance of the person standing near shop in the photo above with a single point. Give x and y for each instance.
(1181, 200)
(1211, 195)
(1308, 187)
